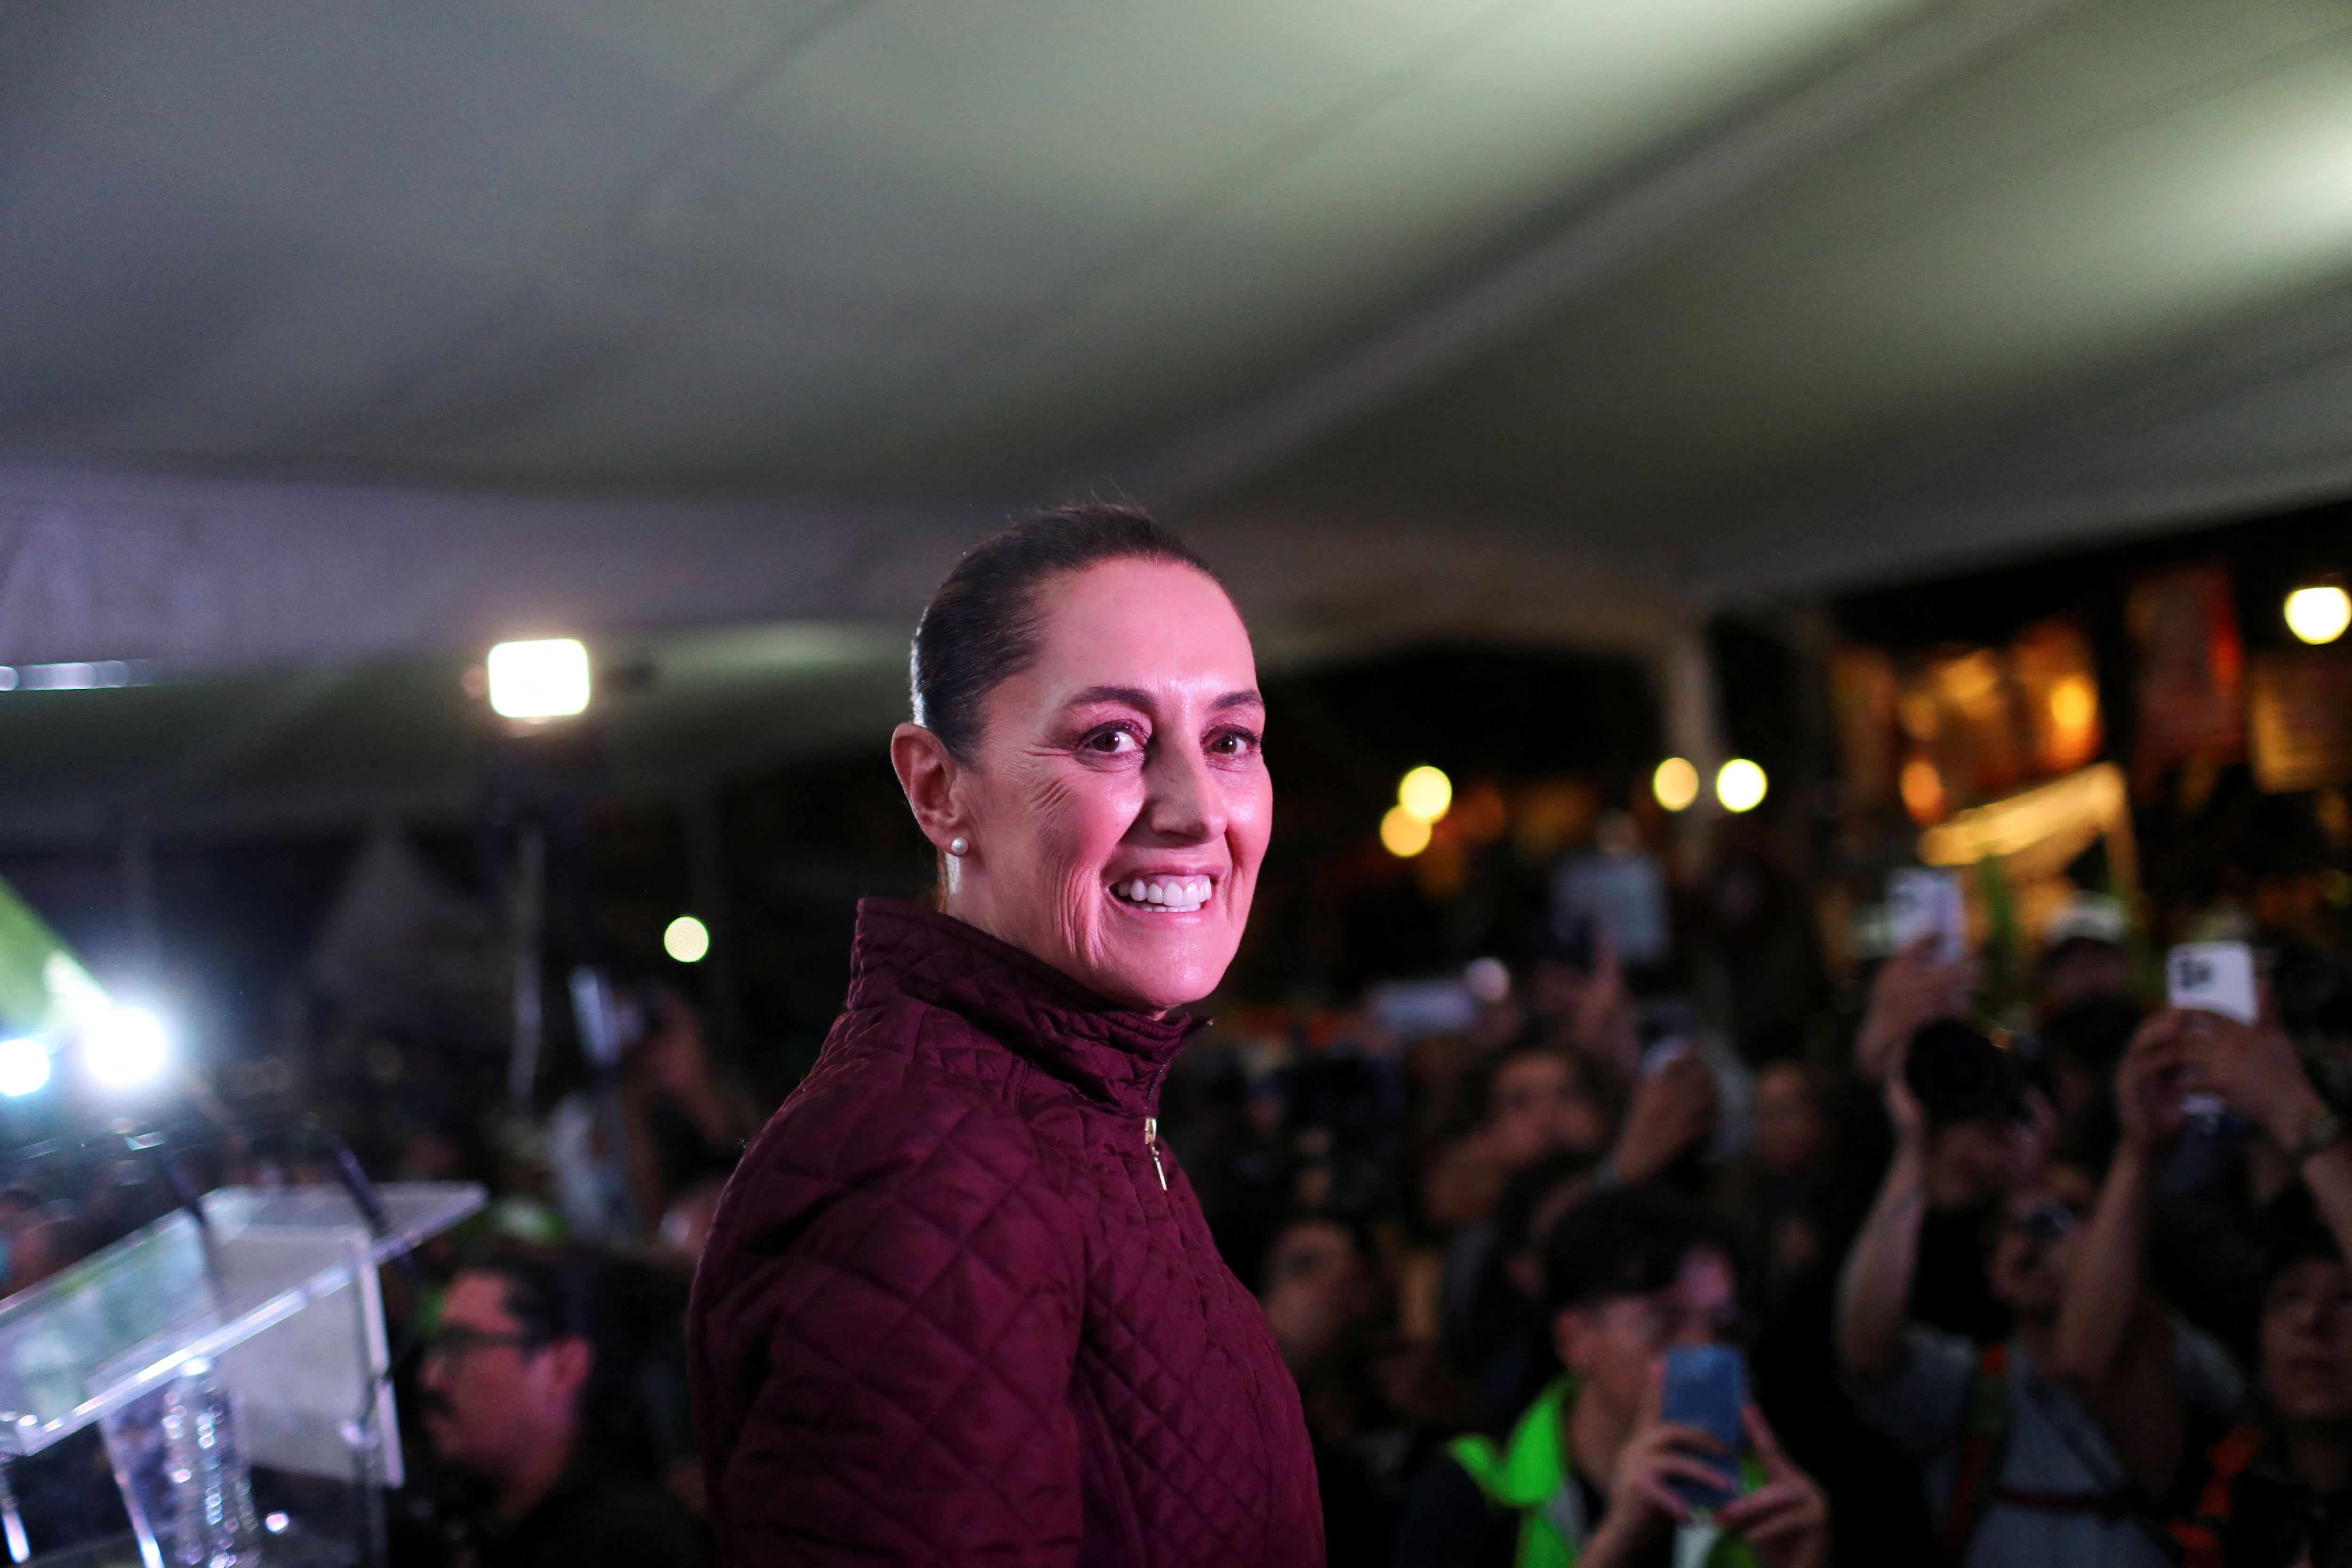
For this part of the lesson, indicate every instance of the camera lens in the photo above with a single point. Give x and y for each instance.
(1957, 1073)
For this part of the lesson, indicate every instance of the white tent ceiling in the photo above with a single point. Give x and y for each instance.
(331, 335)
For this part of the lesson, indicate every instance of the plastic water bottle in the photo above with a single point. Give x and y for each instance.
(211, 1519)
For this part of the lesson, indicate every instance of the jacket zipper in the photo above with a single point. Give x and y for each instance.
(1151, 1129)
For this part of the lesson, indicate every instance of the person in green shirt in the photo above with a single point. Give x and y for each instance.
(1585, 1477)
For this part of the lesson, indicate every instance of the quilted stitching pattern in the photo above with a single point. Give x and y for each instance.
(947, 1315)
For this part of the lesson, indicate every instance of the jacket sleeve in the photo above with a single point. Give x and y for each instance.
(896, 1324)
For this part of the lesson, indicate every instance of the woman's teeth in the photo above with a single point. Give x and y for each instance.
(1177, 895)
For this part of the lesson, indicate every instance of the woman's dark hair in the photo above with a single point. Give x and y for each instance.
(981, 627)
(1628, 1242)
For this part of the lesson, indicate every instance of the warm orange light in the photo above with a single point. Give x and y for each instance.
(2074, 706)
(1923, 790)
(1403, 833)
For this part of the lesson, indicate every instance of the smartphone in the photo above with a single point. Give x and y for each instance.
(2213, 977)
(1921, 902)
(1707, 1387)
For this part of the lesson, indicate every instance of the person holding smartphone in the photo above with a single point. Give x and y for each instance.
(2276, 1490)
(2019, 1470)
(1591, 1474)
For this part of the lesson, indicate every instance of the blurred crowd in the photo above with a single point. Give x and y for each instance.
(2067, 1288)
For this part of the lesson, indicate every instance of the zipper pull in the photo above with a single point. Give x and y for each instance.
(1152, 1141)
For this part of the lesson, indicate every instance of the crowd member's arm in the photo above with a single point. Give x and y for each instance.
(1602, 1026)
(2114, 1344)
(1912, 990)
(1875, 1294)
(2256, 1069)
(1673, 1108)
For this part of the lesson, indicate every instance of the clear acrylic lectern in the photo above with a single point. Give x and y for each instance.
(238, 1371)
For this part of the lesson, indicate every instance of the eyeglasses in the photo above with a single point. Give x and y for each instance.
(1664, 1321)
(457, 1341)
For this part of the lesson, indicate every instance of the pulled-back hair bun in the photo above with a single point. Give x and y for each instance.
(981, 626)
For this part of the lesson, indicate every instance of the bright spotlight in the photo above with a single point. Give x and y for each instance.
(1403, 833)
(124, 1046)
(545, 679)
(23, 1066)
(688, 940)
(1426, 793)
(2318, 614)
(1739, 785)
(1675, 783)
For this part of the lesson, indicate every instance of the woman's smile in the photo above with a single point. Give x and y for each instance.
(1162, 893)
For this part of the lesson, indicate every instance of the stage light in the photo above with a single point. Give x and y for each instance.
(1426, 793)
(1675, 783)
(23, 1066)
(544, 680)
(2320, 613)
(688, 940)
(1739, 785)
(124, 1046)
(1403, 833)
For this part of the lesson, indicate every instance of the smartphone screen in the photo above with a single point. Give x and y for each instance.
(1922, 902)
(2212, 977)
(1707, 1387)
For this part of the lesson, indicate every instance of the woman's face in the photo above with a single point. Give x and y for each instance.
(1118, 804)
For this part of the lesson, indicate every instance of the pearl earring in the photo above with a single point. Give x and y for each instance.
(958, 845)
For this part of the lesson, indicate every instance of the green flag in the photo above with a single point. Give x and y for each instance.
(35, 968)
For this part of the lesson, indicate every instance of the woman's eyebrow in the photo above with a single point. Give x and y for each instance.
(1131, 696)
(1136, 697)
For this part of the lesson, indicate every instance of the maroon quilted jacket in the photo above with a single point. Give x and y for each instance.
(950, 1314)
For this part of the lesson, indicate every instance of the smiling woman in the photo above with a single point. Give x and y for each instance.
(960, 1305)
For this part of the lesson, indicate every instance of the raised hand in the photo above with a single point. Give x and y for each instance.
(1642, 1498)
(1786, 1520)
(2255, 1067)
(1913, 989)
(1673, 1108)
(2148, 1082)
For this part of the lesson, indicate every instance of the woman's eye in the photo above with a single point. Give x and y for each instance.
(1112, 742)
(1233, 744)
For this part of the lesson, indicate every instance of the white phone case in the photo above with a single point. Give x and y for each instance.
(2213, 977)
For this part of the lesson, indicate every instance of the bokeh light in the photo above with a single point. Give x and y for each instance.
(2319, 614)
(1675, 783)
(124, 1046)
(23, 1066)
(543, 679)
(688, 940)
(1740, 784)
(1403, 833)
(1923, 791)
(1426, 793)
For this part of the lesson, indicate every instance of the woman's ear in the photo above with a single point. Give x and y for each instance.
(928, 773)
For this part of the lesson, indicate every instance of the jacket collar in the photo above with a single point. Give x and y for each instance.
(1112, 1054)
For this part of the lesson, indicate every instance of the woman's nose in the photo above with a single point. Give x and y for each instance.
(1183, 803)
